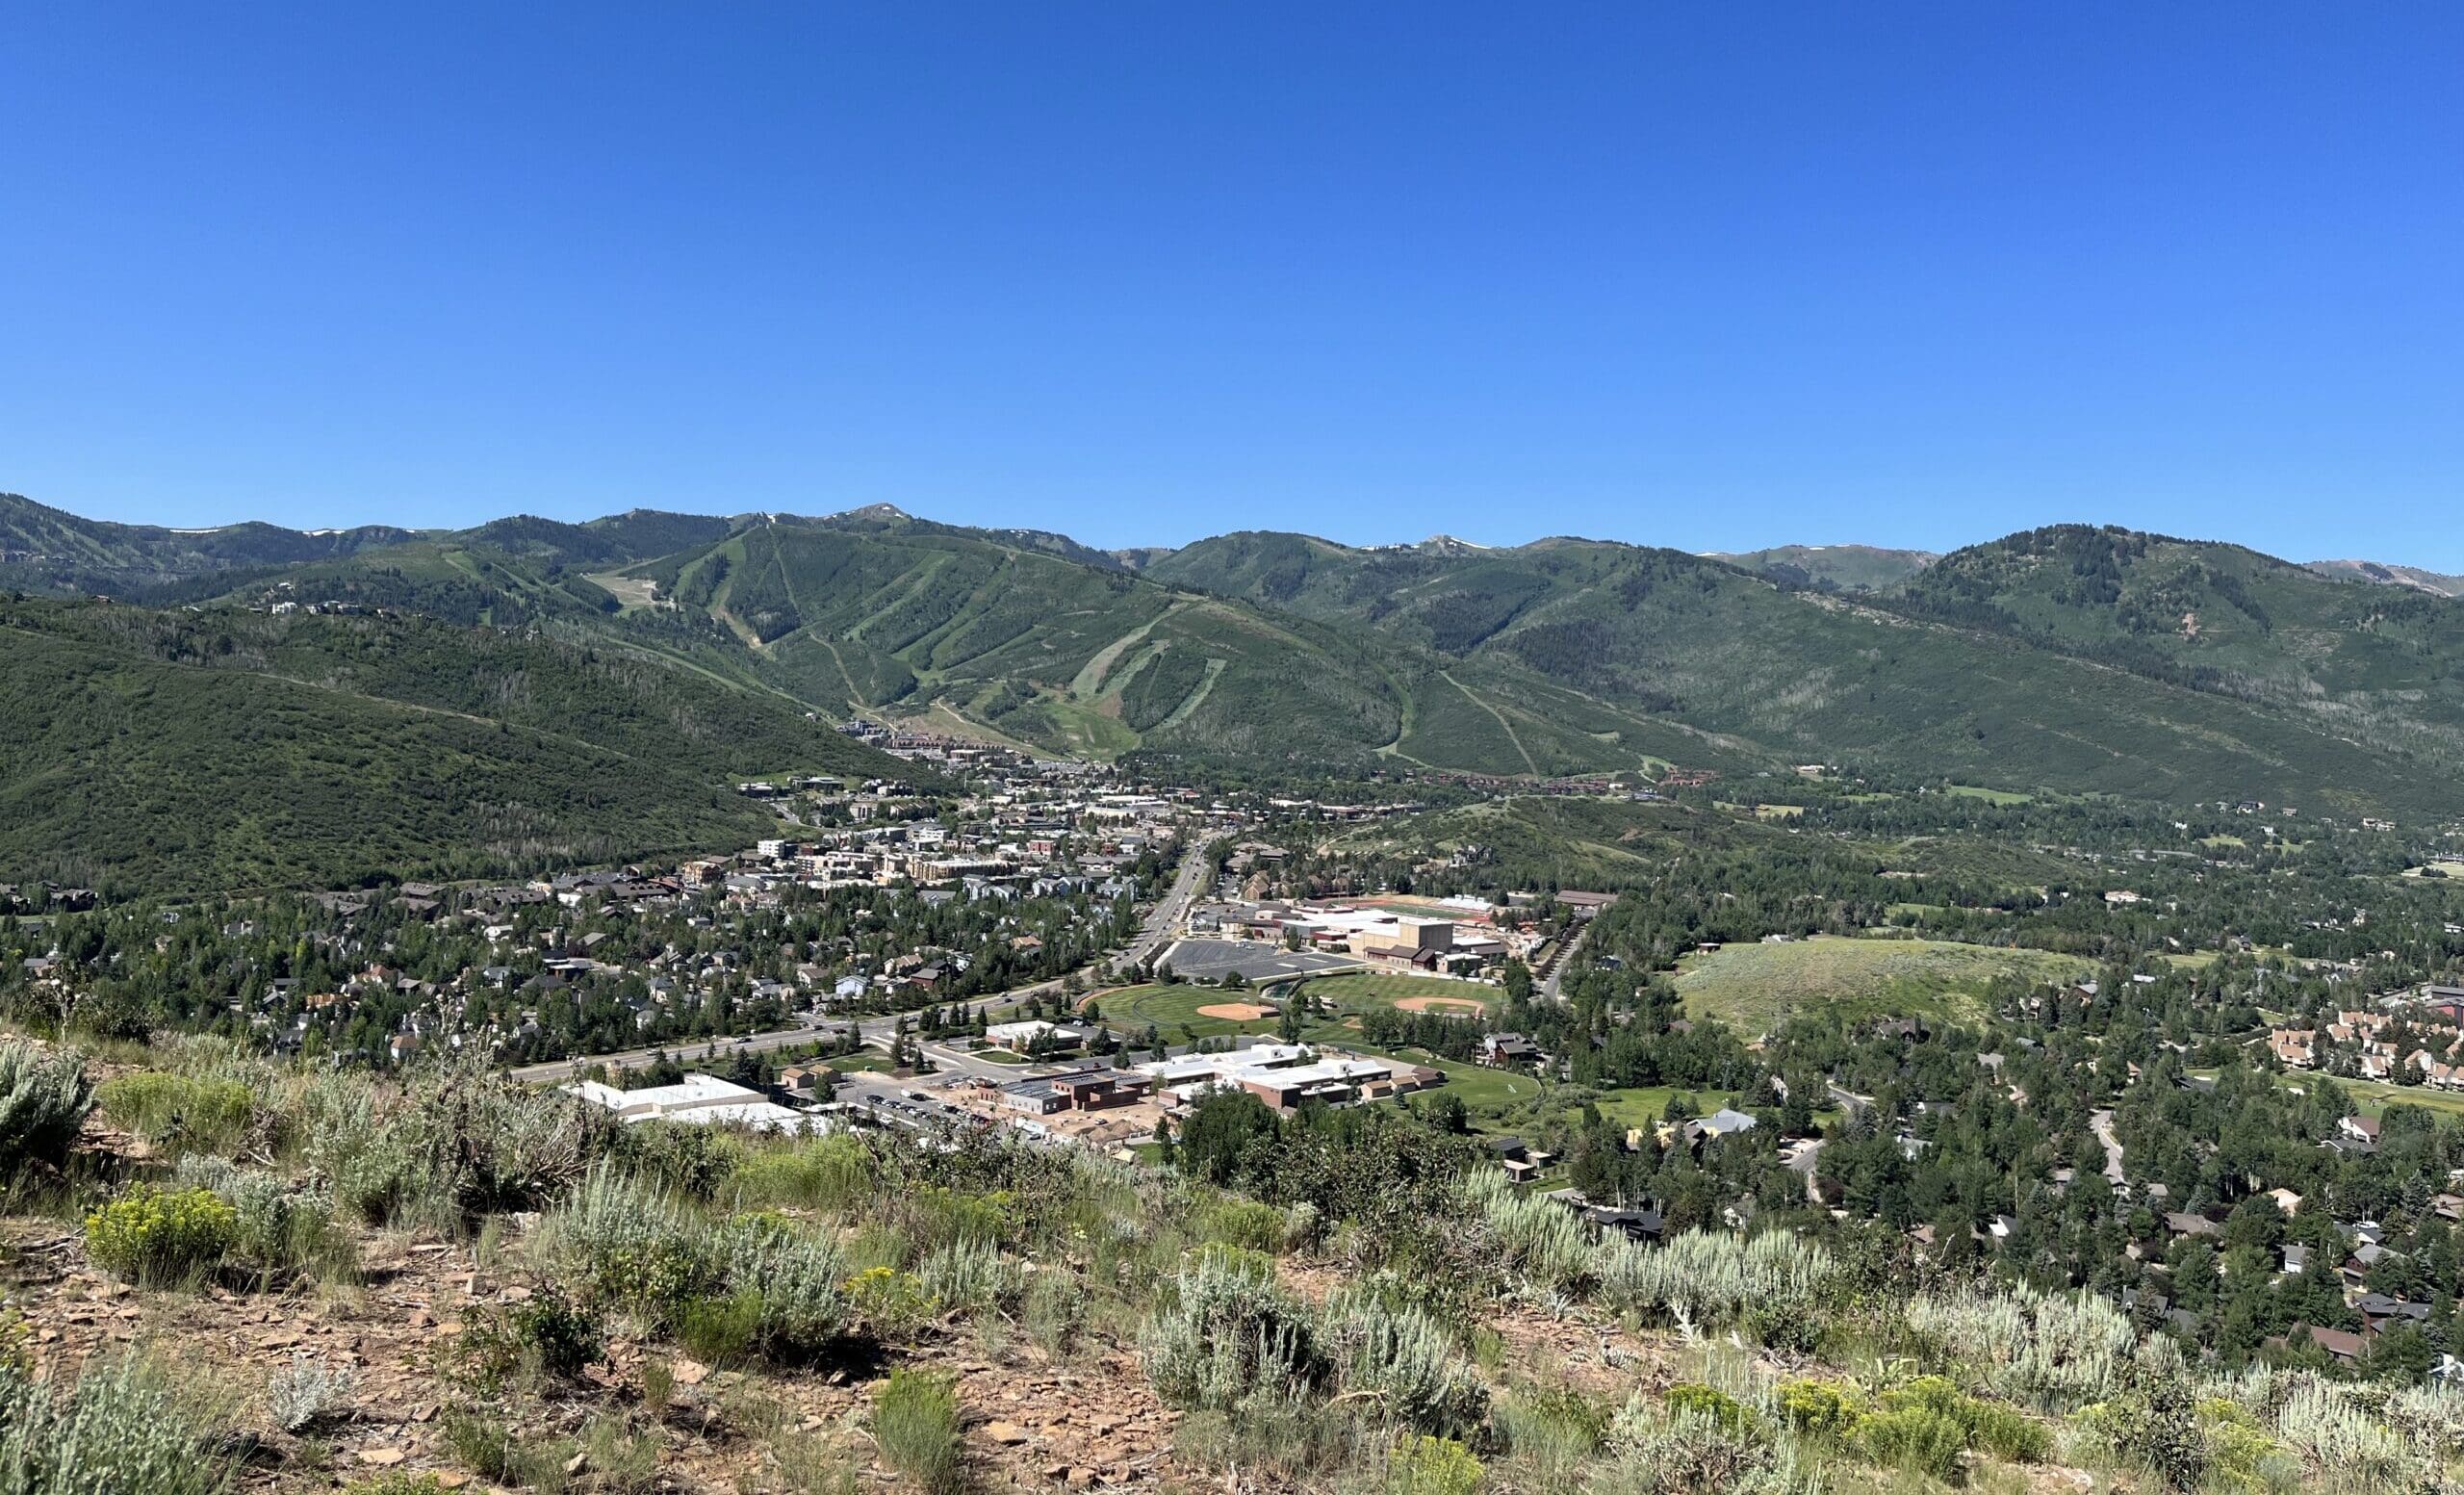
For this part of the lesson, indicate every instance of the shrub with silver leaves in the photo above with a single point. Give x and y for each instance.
(122, 1427)
(308, 1390)
(1709, 1278)
(45, 1096)
(1226, 1333)
(1401, 1357)
(2055, 1351)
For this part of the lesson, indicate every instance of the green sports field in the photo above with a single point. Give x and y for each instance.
(1355, 994)
(1173, 1011)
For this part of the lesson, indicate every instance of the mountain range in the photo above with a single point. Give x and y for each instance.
(512, 659)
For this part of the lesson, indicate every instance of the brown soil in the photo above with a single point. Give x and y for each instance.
(1437, 1004)
(1236, 1011)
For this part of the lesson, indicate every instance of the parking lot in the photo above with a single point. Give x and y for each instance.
(1211, 960)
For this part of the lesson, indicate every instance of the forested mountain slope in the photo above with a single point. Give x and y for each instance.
(44, 549)
(218, 750)
(1845, 568)
(2070, 659)
(2380, 668)
(1006, 630)
(1939, 683)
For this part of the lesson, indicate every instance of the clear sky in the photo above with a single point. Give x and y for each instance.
(1706, 275)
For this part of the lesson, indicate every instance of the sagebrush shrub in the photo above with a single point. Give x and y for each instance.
(1655, 1452)
(308, 1389)
(798, 1277)
(1534, 1239)
(970, 1276)
(1226, 1333)
(1055, 1306)
(632, 1245)
(153, 1235)
(451, 1144)
(1714, 1277)
(1401, 1357)
(122, 1427)
(278, 1229)
(45, 1097)
(2055, 1351)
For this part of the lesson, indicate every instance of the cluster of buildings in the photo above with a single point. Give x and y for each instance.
(2415, 1037)
(1028, 828)
(1457, 942)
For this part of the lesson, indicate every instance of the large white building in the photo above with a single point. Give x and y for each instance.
(1282, 1074)
(702, 1099)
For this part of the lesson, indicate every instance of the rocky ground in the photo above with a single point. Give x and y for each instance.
(1085, 1420)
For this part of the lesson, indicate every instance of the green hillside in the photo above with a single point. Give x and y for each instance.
(48, 550)
(2072, 660)
(197, 752)
(880, 613)
(1845, 568)
(2378, 667)
(1933, 684)
(1755, 987)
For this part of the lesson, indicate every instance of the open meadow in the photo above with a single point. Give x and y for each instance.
(1752, 987)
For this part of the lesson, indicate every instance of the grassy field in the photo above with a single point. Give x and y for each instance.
(1359, 993)
(2372, 1098)
(1752, 986)
(1991, 796)
(1173, 1011)
(1483, 1091)
(2444, 868)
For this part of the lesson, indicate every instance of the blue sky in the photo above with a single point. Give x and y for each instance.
(1712, 276)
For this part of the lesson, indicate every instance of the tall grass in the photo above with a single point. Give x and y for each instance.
(178, 1112)
(915, 1424)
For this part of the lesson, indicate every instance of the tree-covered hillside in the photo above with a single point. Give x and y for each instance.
(986, 626)
(1846, 568)
(195, 752)
(1939, 683)
(2072, 658)
(48, 549)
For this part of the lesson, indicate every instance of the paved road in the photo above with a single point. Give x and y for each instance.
(2101, 1123)
(1566, 958)
(1160, 922)
(1169, 914)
